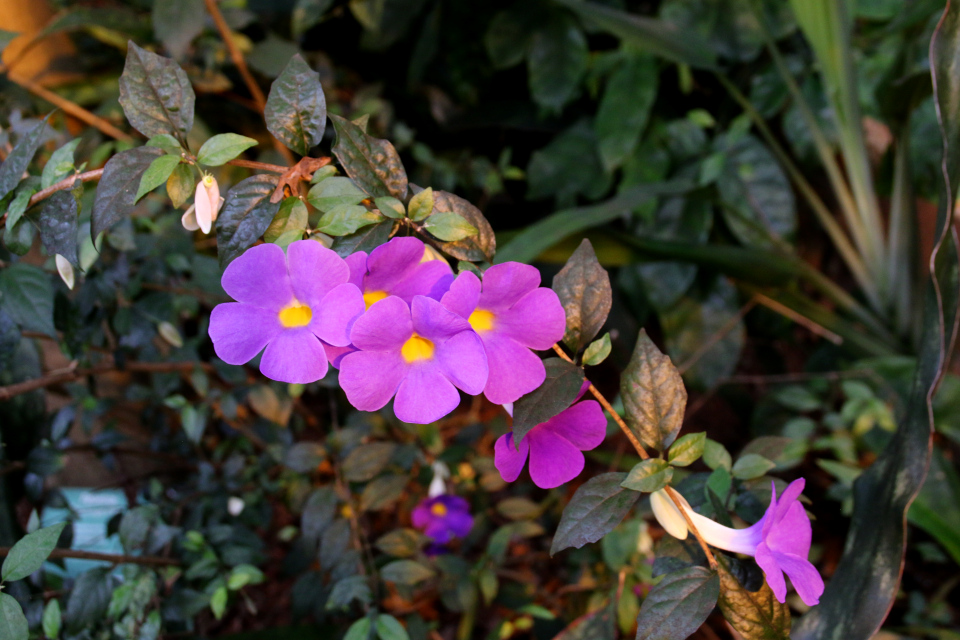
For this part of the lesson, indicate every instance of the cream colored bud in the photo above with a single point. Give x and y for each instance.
(65, 269)
(207, 201)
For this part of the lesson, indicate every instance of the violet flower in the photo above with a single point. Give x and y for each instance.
(780, 541)
(422, 354)
(286, 305)
(512, 314)
(443, 517)
(555, 447)
(398, 268)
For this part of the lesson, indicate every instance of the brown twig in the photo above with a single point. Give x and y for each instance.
(803, 321)
(152, 561)
(678, 501)
(66, 183)
(262, 166)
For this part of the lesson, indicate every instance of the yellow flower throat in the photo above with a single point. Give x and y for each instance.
(416, 349)
(438, 509)
(481, 320)
(372, 297)
(295, 315)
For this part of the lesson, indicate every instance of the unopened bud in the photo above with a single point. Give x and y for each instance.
(65, 269)
(207, 201)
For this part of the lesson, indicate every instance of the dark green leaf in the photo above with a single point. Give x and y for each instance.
(89, 599)
(345, 219)
(751, 465)
(401, 543)
(18, 206)
(18, 238)
(754, 615)
(597, 351)
(296, 110)
(475, 248)
(60, 164)
(584, 290)
(602, 623)
(937, 508)
(222, 148)
(687, 449)
(27, 297)
(271, 55)
(155, 94)
(648, 476)
(135, 526)
(558, 391)
(156, 174)
(292, 217)
(367, 239)
(595, 510)
(367, 460)
(318, 513)
(406, 572)
(389, 628)
(307, 13)
(382, 492)
(177, 22)
(625, 108)
(304, 457)
(508, 37)
(677, 606)
(9, 337)
(449, 227)
(58, 226)
(246, 214)
(13, 624)
(372, 163)
(556, 61)
(569, 166)
(334, 192)
(116, 193)
(30, 552)
(653, 395)
(347, 590)
(19, 159)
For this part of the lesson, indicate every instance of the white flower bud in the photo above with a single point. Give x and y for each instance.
(235, 506)
(65, 269)
(207, 201)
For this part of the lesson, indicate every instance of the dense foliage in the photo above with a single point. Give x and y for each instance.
(740, 214)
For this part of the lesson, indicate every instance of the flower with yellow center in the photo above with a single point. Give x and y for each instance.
(438, 509)
(370, 298)
(416, 349)
(295, 315)
(481, 320)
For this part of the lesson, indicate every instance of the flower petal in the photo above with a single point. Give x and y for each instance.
(459, 523)
(463, 362)
(334, 317)
(421, 515)
(583, 425)
(314, 271)
(508, 460)
(189, 219)
(504, 284)
(464, 294)
(792, 534)
(357, 262)
(788, 498)
(295, 356)
(384, 327)
(536, 321)
(259, 277)
(370, 378)
(420, 280)
(553, 460)
(335, 354)
(433, 321)
(203, 209)
(390, 263)
(425, 395)
(514, 370)
(804, 576)
(240, 331)
(772, 572)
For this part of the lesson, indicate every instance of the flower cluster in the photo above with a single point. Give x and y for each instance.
(396, 322)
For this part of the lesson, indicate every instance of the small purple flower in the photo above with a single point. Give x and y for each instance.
(443, 518)
(555, 447)
(397, 268)
(780, 541)
(288, 306)
(422, 354)
(512, 314)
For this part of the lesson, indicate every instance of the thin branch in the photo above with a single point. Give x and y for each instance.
(262, 166)
(151, 561)
(802, 320)
(66, 183)
(678, 500)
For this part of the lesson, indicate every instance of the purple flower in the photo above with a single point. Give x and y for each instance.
(554, 446)
(512, 314)
(780, 541)
(397, 268)
(422, 354)
(287, 307)
(443, 518)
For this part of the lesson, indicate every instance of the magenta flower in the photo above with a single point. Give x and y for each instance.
(512, 314)
(442, 518)
(287, 307)
(422, 354)
(780, 541)
(555, 447)
(397, 268)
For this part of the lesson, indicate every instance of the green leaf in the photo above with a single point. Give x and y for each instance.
(18, 238)
(601, 623)
(135, 526)
(390, 207)
(347, 590)
(51, 619)
(937, 507)
(406, 572)
(60, 164)
(334, 192)
(18, 206)
(58, 224)
(687, 450)
(88, 599)
(307, 13)
(367, 239)
(389, 628)
(715, 455)
(751, 466)
(754, 615)
(625, 109)
(597, 507)
(474, 248)
(156, 174)
(677, 606)
(155, 94)
(401, 543)
(597, 351)
(382, 492)
(166, 142)
(653, 395)
(27, 297)
(568, 166)
(116, 193)
(318, 513)
(296, 110)
(13, 168)
(243, 575)
(345, 219)
(359, 630)
(218, 602)
(13, 624)
(323, 173)
(30, 552)
(585, 293)
(648, 476)
(290, 221)
(558, 391)
(246, 214)
(374, 164)
(556, 61)
(421, 205)
(449, 227)
(177, 22)
(367, 460)
(181, 184)
(222, 148)
(507, 39)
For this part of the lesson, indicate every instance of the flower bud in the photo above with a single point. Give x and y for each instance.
(207, 202)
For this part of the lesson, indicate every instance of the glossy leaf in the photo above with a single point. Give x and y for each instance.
(246, 214)
(27, 297)
(16, 163)
(558, 391)
(474, 248)
(648, 476)
(366, 239)
(625, 108)
(597, 351)
(449, 227)
(334, 192)
(30, 552)
(755, 615)
(296, 110)
(156, 174)
(390, 207)
(58, 226)
(598, 506)
(116, 193)
(222, 148)
(345, 219)
(653, 395)
(677, 606)
(585, 293)
(372, 163)
(155, 94)
(292, 217)
(687, 450)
